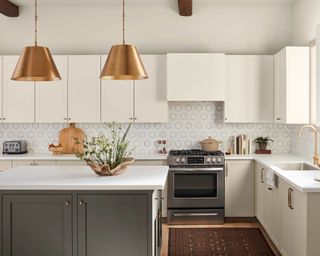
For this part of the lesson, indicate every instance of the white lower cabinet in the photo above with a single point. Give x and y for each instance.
(239, 188)
(5, 165)
(16, 163)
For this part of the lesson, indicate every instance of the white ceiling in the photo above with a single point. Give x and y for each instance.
(149, 2)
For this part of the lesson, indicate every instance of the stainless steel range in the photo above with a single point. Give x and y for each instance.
(196, 187)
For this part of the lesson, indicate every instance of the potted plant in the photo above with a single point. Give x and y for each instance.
(263, 142)
(108, 154)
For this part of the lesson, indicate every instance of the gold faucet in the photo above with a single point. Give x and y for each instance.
(316, 160)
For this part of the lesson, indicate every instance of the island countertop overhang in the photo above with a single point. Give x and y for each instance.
(82, 178)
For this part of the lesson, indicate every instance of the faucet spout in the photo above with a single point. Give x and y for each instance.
(316, 160)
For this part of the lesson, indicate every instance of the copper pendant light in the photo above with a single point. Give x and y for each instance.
(36, 63)
(123, 61)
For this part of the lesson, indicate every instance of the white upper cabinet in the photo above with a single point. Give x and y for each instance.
(141, 101)
(249, 93)
(116, 99)
(84, 89)
(196, 76)
(292, 86)
(151, 105)
(52, 97)
(18, 97)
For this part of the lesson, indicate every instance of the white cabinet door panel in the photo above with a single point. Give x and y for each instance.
(1, 79)
(51, 97)
(151, 105)
(116, 99)
(249, 97)
(18, 97)
(84, 89)
(196, 76)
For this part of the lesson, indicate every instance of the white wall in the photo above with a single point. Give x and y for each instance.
(305, 19)
(154, 29)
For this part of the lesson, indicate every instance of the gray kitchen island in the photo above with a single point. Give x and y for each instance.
(69, 211)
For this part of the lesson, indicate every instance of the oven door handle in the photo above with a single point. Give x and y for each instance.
(218, 169)
(195, 214)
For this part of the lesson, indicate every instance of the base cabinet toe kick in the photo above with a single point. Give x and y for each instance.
(80, 223)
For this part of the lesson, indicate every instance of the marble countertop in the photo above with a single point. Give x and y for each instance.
(82, 178)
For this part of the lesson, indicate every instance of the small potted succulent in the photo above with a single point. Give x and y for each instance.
(108, 154)
(263, 142)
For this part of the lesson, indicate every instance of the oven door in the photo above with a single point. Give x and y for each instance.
(194, 188)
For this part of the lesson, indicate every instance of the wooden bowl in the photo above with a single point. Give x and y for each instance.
(55, 149)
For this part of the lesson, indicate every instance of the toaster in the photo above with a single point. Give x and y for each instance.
(15, 147)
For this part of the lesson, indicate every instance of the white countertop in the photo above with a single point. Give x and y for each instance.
(301, 180)
(82, 178)
(34, 156)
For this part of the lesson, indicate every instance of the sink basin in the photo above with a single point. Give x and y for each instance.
(296, 167)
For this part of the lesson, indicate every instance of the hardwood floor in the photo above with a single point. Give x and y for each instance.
(230, 224)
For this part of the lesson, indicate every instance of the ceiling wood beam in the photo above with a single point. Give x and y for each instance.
(185, 7)
(8, 8)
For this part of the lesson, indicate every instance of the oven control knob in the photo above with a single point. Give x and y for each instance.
(178, 160)
(208, 160)
(183, 160)
(219, 160)
(213, 160)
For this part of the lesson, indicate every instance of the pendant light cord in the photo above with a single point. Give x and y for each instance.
(36, 22)
(123, 22)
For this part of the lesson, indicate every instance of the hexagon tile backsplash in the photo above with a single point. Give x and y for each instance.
(189, 122)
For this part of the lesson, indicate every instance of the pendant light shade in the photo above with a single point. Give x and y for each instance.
(123, 63)
(36, 64)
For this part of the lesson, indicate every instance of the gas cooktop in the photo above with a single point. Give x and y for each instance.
(195, 152)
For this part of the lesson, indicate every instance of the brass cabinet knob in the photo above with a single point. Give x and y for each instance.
(81, 202)
(68, 203)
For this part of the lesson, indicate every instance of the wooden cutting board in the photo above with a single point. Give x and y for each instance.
(67, 139)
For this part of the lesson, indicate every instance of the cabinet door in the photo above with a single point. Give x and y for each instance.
(280, 80)
(267, 208)
(259, 191)
(16, 163)
(37, 225)
(51, 97)
(196, 76)
(18, 97)
(286, 228)
(276, 214)
(239, 188)
(151, 105)
(249, 97)
(114, 225)
(1, 98)
(116, 99)
(84, 89)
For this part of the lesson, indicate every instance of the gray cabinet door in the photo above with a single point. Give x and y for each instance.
(112, 225)
(37, 225)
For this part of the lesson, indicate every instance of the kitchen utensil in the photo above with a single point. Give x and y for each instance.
(71, 139)
(15, 147)
(210, 144)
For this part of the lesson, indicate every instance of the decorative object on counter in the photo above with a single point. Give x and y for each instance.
(241, 145)
(15, 147)
(108, 155)
(55, 149)
(71, 139)
(123, 61)
(210, 144)
(263, 143)
(161, 147)
(36, 62)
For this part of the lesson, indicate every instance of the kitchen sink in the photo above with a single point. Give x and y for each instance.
(296, 167)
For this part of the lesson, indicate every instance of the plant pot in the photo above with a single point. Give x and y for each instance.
(263, 146)
(104, 170)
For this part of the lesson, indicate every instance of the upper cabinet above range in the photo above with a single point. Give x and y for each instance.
(292, 85)
(196, 76)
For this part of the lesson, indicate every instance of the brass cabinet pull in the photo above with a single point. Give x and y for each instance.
(262, 174)
(278, 118)
(81, 202)
(290, 190)
(67, 203)
(270, 189)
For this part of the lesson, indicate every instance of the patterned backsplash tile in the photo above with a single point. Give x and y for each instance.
(189, 122)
